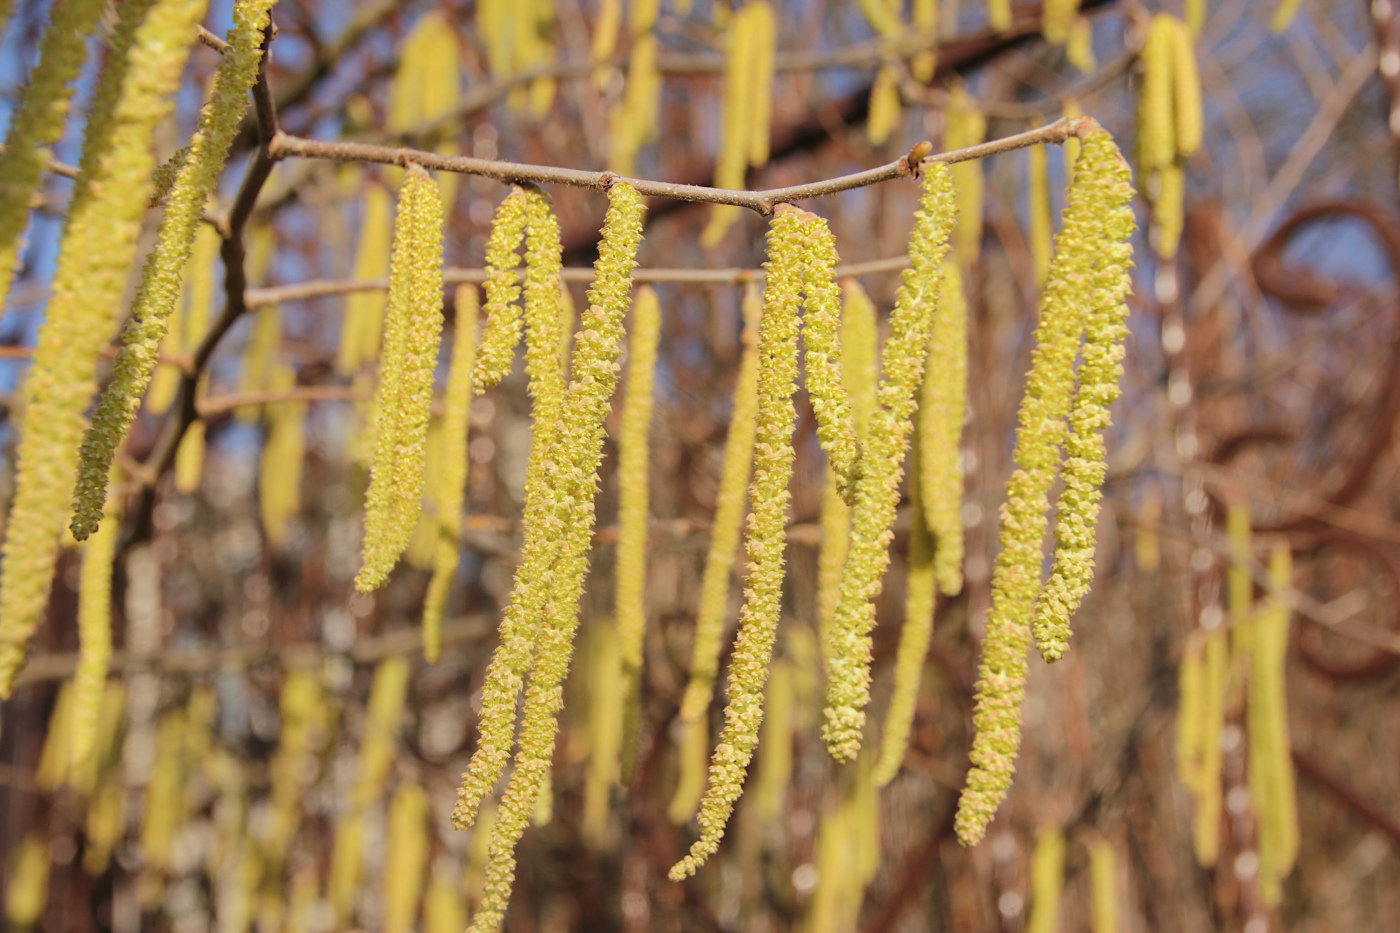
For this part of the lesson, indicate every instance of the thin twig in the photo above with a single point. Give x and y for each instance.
(54, 167)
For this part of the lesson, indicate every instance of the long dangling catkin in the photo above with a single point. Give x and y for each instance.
(94, 637)
(28, 891)
(1047, 881)
(634, 122)
(765, 50)
(633, 459)
(769, 495)
(56, 756)
(280, 468)
(860, 355)
(406, 858)
(576, 453)
(1186, 90)
(364, 311)
(942, 409)
(774, 772)
(877, 493)
(728, 524)
(1088, 273)
(259, 357)
(1056, 18)
(159, 291)
(966, 126)
(822, 354)
(1191, 701)
(496, 350)
(1040, 230)
(1157, 144)
(38, 121)
(1079, 48)
(692, 757)
(920, 598)
(99, 243)
(606, 28)
(1100, 368)
(750, 41)
(453, 481)
(405, 391)
(603, 668)
(1168, 209)
(1206, 828)
(884, 106)
(1270, 761)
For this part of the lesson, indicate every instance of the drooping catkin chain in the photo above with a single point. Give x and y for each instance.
(821, 344)
(572, 474)
(769, 496)
(159, 291)
(362, 328)
(728, 524)
(633, 483)
(634, 122)
(1271, 779)
(1086, 260)
(135, 92)
(1100, 368)
(877, 493)
(405, 392)
(942, 409)
(38, 122)
(964, 125)
(496, 350)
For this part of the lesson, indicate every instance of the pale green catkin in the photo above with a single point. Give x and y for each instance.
(1085, 258)
(633, 458)
(573, 468)
(920, 598)
(877, 494)
(822, 354)
(39, 120)
(496, 351)
(160, 278)
(942, 410)
(767, 537)
(134, 94)
(452, 483)
(728, 524)
(403, 399)
(1100, 368)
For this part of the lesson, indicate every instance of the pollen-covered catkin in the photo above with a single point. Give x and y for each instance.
(576, 452)
(452, 484)
(750, 43)
(877, 493)
(767, 536)
(728, 524)
(1157, 144)
(964, 125)
(822, 354)
(1100, 368)
(496, 351)
(159, 291)
(1186, 90)
(942, 409)
(38, 121)
(99, 243)
(94, 636)
(405, 393)
(1089, 257)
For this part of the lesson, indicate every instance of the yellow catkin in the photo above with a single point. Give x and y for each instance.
(453, 479)
(56, 756)
(1040, 230)
(877, 493)
(925, 61)
(605, 714)
(883, 19)
(821, 342)
(496, 351)
(1270, 761)
(634, 123)
(693, 753)
(919, 600)
(38, 121)
(1088, 274)
(259, 356)
(443, 908)
(426, 90)
(305, 721)
(404, 396)
(605, 29)
(965, 126)
(577, 448)
(1206, 827)
(188, 317)
(1069, 107)
(764, 49)
(635, 504)
(166, 804)
(364, 311)
(182, 239)
(999, 14)
(1191, 703)
(280, 468)
(189, 459)
(405, 858)
(1079, 48)
(767, 534)
(136, 92)
(1103, 885)
(847, 858)
(87, 771)
(1168, 209)
(103, 825)
(1194, 12)
(1147, 544)
(942, 409)
(1047, 881)
(1156, 121)
(1284, 14)
(1186, 90)
(728, 522)
(748, 80)
(775, 759)
(831, 559)
(94, 636)
(1056, 18)
(27, 893)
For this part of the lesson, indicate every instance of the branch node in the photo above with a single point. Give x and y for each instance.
(914, 160)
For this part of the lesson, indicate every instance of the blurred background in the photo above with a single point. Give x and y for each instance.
(248, 782)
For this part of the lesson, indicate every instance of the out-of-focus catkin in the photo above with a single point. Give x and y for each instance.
(885, 106)
(94, 635)
(1047, 881)
(750, 44)
(964, 125)
(363, 322)
(406, 857)
(942, 409)
(1270, 758)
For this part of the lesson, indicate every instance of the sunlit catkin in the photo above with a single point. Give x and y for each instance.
(1103, 886)
(159, 291)
(99, 243)
(999, 14)
(822, 354)
(1191, 702)
(280, 467)
(885, 106)
(1206, 823)
(497, 348)
(728, 523)
(39, 120)
(942, 409)
(452, 483)
(1039, 229)
(692, 756)
(1157, 144)
(1270, 758)
(363, 323)
(634, 455)
(964, 125)
(634, 122)
(767, 536)
(569, 506)
(1047, 881)
(56, 756)
(750, 43)
(1088, 273)
(1101, 366)
(406, 858)
(1186, 90)
(94, 637)
(877, 493)
(405, 391)
(606, 701)
(27, 893)
(1057, 16)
